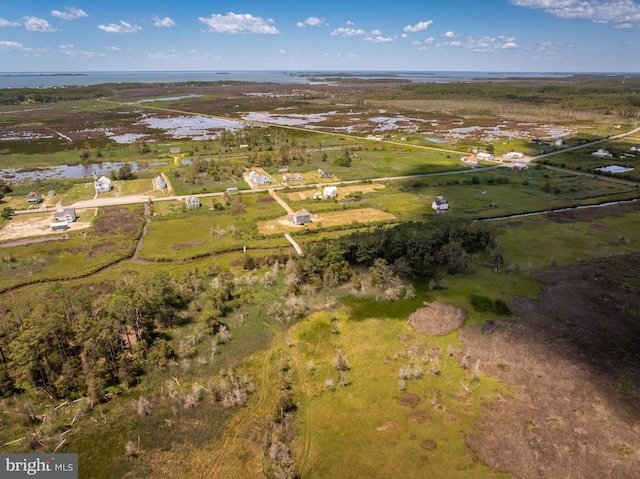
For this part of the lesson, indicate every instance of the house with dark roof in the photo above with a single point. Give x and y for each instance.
(440, 204)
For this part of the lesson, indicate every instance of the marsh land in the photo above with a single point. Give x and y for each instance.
(465, 304)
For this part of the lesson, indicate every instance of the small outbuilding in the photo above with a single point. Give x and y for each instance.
(602, 153)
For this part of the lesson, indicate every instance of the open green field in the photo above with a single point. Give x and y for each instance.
(177, 233)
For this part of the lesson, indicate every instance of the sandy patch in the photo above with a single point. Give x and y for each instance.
(27, 226)
(437, 319)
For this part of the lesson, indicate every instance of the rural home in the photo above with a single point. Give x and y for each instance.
(513, 155)
(602, 153)
(34, 198)
(102, 184)
(67, 214)
(519, 166)
(174, 150)
(159, 183)
(472, 160)
(558, 142)
(292, 177)
(301, 217)
(440, 205)
(259, 179)
(192, 202)
(325, 174)
(330, 191)
(486, 156)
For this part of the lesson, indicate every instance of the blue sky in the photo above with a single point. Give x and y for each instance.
(430, 35)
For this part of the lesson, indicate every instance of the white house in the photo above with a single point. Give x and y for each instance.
(519, 166)
(102, 184)
(192, 202)
(558, 142)
(330, 191)
(67, 215)
(159, 183)
(259, 179)
(440, 205)
(513, 155)
(292, 177)
(486, 157)
(602, 153)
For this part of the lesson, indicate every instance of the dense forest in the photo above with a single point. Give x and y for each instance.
(17, 96)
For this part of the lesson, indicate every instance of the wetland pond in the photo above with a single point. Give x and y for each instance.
(81, 170)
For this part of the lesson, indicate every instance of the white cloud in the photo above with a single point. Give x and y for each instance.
(348, 32)
(283, 51)
(429, 41)
(70, 13)
(598, 11)
(7, 23)
(163, 56)
(122, 27)
(378, 39)
(417, 27)
(162, 22)
(8, 45)
(311, 22)
(622, 26)
(35, 24)
(376, 32)
(113, 49)
(450, 35)
(239, 23)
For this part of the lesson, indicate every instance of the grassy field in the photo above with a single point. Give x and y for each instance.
(111, 238)
(416, 429)
(177, 233)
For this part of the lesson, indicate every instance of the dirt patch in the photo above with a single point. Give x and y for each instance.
(429, 444)
(437, 319)
(420, 416)
(386, 426)
(572, 363)
(410, 400)
(590, 214)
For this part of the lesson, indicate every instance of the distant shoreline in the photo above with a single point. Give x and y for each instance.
(43, 74)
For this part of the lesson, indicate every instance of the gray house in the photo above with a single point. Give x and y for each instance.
(159, 183)
(67, 214)
(301, 217)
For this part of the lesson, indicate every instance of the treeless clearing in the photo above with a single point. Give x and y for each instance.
(27, 226)
(342, 191)
(335, 218)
